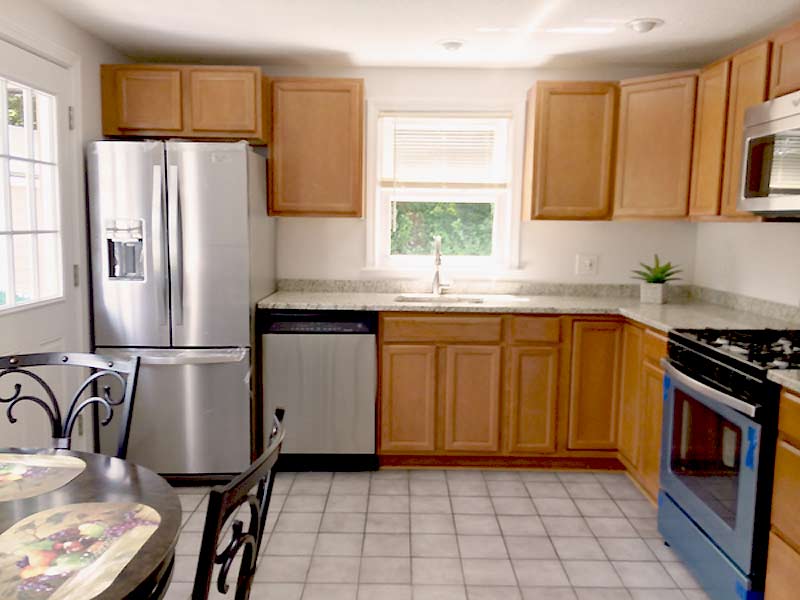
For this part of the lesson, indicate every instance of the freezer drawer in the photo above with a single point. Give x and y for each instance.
(192, 411)
(327, 384)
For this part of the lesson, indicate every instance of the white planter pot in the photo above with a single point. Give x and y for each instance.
(653, 293)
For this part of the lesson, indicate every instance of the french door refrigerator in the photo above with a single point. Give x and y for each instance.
(181, 250)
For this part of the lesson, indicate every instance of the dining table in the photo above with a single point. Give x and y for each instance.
(82, 525)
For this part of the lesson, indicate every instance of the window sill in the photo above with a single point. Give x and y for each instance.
(448, 273)
(30, 306)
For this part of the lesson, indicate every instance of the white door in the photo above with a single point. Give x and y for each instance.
(40, 309)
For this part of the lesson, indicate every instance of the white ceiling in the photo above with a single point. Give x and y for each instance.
(406, 32)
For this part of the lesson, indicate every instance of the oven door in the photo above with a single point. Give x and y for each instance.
(709, 461)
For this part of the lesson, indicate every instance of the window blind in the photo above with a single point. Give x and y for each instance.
(444, 150)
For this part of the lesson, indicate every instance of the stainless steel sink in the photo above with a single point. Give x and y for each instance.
(441, 298)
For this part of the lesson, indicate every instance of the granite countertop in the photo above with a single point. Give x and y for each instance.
(789, 378)
(663, 317)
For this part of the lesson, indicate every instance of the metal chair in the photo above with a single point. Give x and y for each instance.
(106, 372)
(223, 501)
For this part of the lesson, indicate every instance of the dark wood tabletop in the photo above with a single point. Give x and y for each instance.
(108, 479)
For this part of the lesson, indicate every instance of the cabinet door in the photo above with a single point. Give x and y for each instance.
(408, 398)
(569, 149)
(142, 98)
(317, 147)
(655, 147)
(783, 565)
(786, 492)
(749, 71)
(630, 393)
(533, 395)
(472, 398)
(709, 140)
(594, 387)
(650, 441)
(225, 100)
(785, 72)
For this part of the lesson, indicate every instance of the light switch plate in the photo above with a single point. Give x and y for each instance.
(586, 264)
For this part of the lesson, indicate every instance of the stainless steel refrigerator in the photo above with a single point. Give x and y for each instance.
(181, 250)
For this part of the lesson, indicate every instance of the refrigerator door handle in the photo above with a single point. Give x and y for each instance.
(194, 357)
(176, 243)
(160, 265)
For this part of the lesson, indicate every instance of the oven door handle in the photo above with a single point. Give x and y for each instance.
(706, 390)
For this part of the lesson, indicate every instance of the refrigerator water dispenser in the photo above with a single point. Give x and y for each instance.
(124, 241)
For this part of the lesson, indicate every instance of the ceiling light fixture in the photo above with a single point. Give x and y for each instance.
(451, 45)
(644, 25)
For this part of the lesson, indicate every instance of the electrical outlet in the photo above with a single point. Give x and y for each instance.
(586, 264)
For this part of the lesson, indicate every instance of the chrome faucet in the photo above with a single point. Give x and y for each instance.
(438, 285)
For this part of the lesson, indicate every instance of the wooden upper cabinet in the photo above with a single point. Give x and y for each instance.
(217, 102)
(748, 87)
(654, 154)
(594, 385)
(569, 150)
(408, 398)
(142, 98)
(229, 99)
(533, 397)
(630, 394)
(785, 72)
(472, 398)
(318, 147)
(709, 140)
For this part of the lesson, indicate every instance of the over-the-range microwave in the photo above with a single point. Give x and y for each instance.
(770, 183)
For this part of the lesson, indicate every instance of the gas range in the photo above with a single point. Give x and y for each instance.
(736, 361)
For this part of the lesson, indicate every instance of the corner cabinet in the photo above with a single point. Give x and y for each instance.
(569, 147)
(748, 87)
(654, 152)
(317, 151)
(199, 102)
(709, 140)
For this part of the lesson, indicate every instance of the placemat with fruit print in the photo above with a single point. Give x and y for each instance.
(27, 475)
(72, 552)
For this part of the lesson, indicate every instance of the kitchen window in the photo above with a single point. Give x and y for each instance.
(445, 174)
(30, 239)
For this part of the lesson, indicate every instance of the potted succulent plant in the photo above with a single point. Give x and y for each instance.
(654, 277)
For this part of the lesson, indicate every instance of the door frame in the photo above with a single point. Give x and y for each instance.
(63, 57)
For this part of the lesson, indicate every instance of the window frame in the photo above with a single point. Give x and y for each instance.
(506, 232)
(8, 233)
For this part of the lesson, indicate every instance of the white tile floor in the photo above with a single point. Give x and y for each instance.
(453, 535)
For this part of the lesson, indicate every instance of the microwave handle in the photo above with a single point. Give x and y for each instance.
(708, 391)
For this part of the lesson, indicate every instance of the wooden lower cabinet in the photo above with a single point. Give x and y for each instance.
(532, 399)
(783, 566)
(650, 427)
(472, 398)
(408, 398)
(594, 385)
(629, 404)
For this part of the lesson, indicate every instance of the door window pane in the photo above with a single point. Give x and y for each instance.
(43, 127)
(19, 178)
(49, 259)
(46, 192)
(30, 242)
(24, 271)
(17, 120)
(5, 260)
(705, 455)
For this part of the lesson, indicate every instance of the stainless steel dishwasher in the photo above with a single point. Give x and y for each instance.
(321, 367)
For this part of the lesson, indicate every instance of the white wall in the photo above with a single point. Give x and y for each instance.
(761, 260)
(336, 248)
